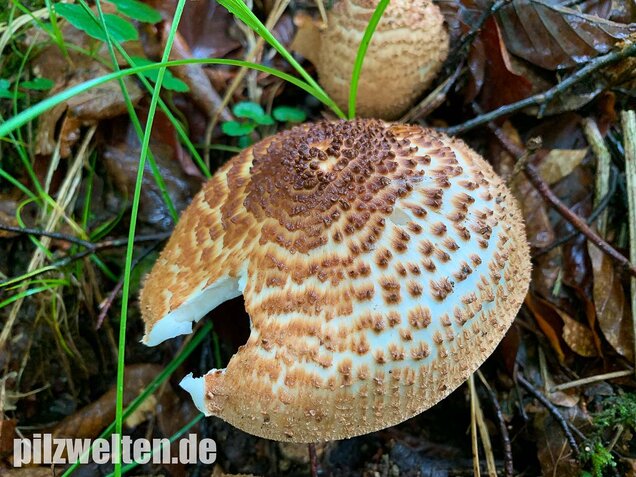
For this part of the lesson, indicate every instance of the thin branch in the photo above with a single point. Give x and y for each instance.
(313, 460)
(94, 247)
(547, 96)
(552, 410)
(628, 121)
(596, 213)
(548, 195)
(535, 178)
(105, 306)
(44, 233)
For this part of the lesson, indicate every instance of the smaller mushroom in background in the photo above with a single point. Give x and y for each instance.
(406, 52)
(380, 265)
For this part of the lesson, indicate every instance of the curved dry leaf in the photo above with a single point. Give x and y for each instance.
(609, 299)
(493, 76)
(89, 421)
(548, 321)
(552, 36)
(577, 336)
(559, 163)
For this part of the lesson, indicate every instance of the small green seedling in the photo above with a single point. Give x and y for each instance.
(36, 84)
(252, 115)
(619, 412)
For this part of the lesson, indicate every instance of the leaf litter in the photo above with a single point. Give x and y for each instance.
(576, 321)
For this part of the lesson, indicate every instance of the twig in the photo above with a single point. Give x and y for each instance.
(552, 410)
(535, 178)
(591, 379)
(596, 213)
(544, 189)
(44, 233)
(313, 460)
(628, 120)
(547, 96)
(94, 247)
(433, 100)
(108, 302)
(503, 430)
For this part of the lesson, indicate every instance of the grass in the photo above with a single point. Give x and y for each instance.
(11, 132)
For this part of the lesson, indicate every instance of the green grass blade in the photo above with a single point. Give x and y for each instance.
(11, 124)
(172, 438)
(154, 385)
(131, 234)
(131, 109)
(362, 51)
(240, 10)
(119, 421)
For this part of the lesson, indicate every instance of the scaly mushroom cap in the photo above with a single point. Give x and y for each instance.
(406, 52)
(380, 265)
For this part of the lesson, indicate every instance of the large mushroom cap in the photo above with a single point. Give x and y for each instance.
(380, 265)
(406, 52)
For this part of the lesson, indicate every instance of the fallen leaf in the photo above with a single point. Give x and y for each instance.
(105, 101)
(7, 434)
(205, 27)
(203, 94)
(144, 412)
(8, 206)
(121, 159)
(553, 36)
(494, 81)
(92, 419)
(611, 308)
(553, 452)
(559, 163)
(577, 336)
(548, 320)
(306, 42)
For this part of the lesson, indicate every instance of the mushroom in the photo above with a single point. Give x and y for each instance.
(406, 52)
(380, 265)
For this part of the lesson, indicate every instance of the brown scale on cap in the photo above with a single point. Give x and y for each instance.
(368, 304)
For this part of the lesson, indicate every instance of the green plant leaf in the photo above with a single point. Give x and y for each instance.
(137, 10)
(39, 84)
(120, 30)
(5, 91)
(169, 80)
(244, 141)
(248, 109)
(235, 128)
(289, 114)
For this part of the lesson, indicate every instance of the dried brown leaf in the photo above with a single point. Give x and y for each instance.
(611, 308)
(494, 77)
(102, 102)
(560, 163)
(7, 431)
(553, 36)
(548, 320)
(89, 421)
(577, 336)
(553, 451)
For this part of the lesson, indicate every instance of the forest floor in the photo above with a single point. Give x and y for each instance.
(542, 89)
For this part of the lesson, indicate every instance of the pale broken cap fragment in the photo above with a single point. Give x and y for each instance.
(380, 265)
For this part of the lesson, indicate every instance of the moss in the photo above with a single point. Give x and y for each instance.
(617, 411)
